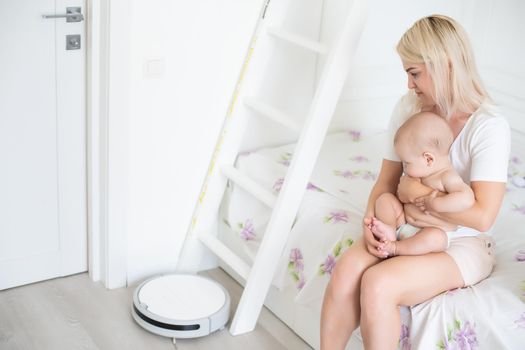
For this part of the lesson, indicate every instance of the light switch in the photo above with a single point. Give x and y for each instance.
(154, 68)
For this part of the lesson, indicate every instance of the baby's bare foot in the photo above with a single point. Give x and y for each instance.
(382, 231)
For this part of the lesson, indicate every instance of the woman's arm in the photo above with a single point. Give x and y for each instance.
(481, 216)
(386, 182)
(458, 195)
(416, 217)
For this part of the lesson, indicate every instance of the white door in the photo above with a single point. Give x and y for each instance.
(42, 143)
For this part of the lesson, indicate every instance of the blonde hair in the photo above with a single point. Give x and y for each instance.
(443, 46)
(425, 131)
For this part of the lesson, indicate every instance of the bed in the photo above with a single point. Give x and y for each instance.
(489, 315)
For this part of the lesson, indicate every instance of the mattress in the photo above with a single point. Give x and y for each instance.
(489, 315)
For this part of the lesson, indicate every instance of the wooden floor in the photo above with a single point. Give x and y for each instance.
(75, 313)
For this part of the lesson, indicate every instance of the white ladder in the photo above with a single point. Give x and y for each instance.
(259, 276)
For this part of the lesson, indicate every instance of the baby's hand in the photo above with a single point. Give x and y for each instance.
(425, 203)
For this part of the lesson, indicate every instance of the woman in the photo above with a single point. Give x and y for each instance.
(365, 289)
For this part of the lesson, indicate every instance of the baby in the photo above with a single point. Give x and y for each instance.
(422, 143)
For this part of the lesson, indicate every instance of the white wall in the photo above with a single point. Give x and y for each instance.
(184, 61)
(378, 80)
(499, 30)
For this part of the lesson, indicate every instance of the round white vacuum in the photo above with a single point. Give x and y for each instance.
(181, 306)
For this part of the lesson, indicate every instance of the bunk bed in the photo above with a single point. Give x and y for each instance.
(489, 315)
(328, 220)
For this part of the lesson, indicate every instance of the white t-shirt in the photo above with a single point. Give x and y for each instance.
(481, 150)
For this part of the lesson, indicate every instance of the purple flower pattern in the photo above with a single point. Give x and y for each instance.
(328, 265)
(296, 267)
(465, 337)
(301, 281)
(520, 256)
(347, 174)
(296, 258)
(356, 174)
(312, 187)
(520, 322)
(278, 185)
(517, 181)
(460, 337)
(285, 158)
(247, 230)
(368, 175)
(336, 216)
(355, 135)
(404, 338)
(519, 209)
(515, 173)
(359, 159)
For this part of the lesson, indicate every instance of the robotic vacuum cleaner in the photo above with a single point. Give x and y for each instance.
(181, 306)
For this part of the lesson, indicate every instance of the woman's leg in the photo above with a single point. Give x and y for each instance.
(341, 311)
(403, 280)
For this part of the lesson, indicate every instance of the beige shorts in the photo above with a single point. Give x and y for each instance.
(474, 257)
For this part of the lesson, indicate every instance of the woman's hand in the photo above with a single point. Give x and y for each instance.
(415, 217)
(387, 181)
(373, 245)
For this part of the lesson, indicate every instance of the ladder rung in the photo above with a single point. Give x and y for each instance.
(272, 113)
(298, 40)
(249, 185)
(225, 254)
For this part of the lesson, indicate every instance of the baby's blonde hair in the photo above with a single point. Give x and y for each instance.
(443, 46)
(426, 132)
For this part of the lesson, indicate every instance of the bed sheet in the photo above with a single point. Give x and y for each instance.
(489, 315)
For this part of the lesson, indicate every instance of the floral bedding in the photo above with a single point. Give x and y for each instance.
(489, 315)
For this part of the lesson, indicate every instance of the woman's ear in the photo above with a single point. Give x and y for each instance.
(429, 158)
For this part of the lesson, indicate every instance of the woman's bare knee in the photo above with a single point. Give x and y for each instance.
(346, 276)
(344, 281)
(376, 287)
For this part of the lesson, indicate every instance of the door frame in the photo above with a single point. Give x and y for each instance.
(107, 101)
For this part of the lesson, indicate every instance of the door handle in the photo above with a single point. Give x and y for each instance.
(73, 14)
